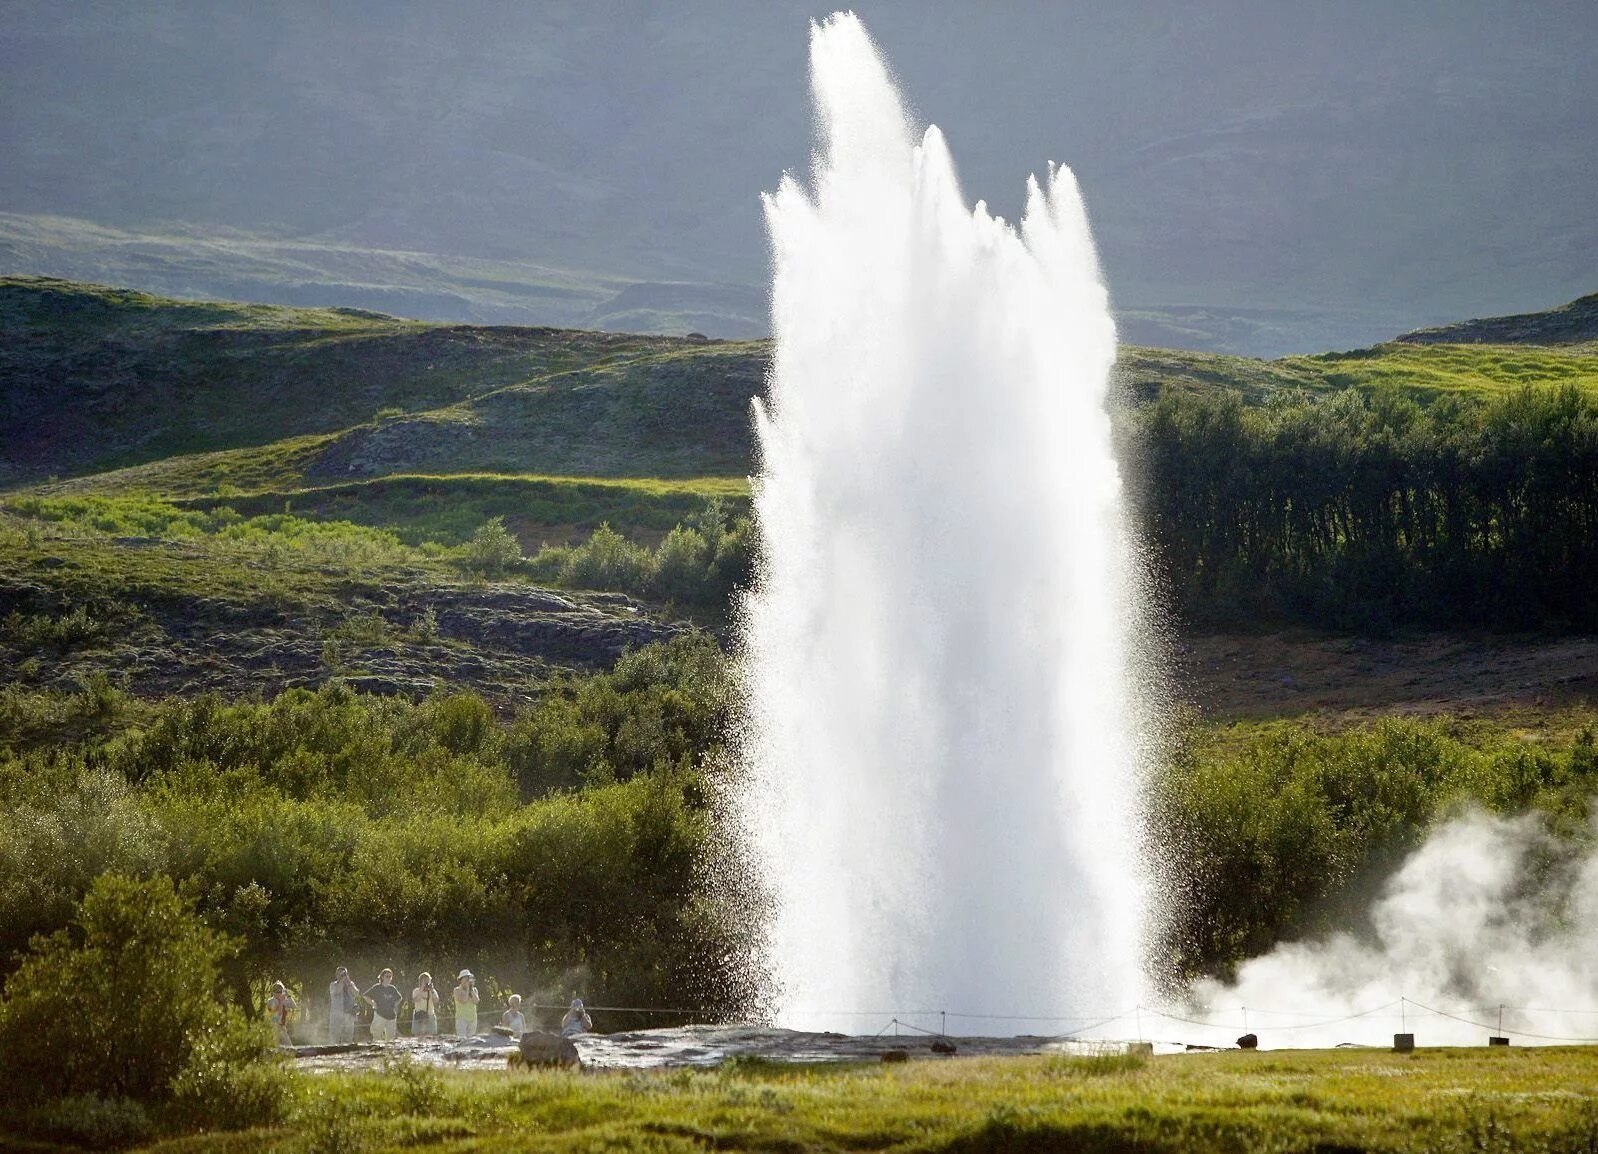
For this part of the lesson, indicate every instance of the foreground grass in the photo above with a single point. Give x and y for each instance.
(1434, 1100)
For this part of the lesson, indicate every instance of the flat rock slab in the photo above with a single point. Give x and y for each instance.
(692, 1046)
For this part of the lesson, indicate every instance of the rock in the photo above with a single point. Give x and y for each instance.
(896, 1055)
(1248, 1042)
(541, 1049)
(943, 1046)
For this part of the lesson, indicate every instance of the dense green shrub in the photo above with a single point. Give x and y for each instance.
(122, 1001)
(63, 826)
(89, 1121)
(1280, 831)
(701, 563)
(607, 560)
(326, 821)
(233, 1079)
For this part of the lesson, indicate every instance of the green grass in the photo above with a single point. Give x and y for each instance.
(416, 508)
(1423, 371)
(448, 509)
(1420, 371)
(1432, 1101)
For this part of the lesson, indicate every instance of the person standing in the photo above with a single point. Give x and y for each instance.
(512, 1019)
(278, 1007)
(576, 1020)
(342, 1000)
(466, 997)
(424, 1006)
(385, 997)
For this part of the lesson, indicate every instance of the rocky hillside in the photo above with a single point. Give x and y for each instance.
(1571, 324)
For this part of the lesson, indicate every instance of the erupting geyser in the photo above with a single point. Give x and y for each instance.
(943, 741)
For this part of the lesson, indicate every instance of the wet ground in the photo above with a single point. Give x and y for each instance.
(682, 1046)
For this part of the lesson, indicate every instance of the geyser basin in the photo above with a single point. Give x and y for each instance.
(943, 739)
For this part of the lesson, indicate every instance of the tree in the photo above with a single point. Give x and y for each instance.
(118, 1002)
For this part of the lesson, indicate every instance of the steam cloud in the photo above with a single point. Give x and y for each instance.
(1490, 912)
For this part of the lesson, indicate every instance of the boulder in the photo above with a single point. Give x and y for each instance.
(1248, 1042)
(537, 1048)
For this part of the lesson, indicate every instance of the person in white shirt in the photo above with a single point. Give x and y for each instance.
(424, 1006)
(278, 1007)
(512, 1019)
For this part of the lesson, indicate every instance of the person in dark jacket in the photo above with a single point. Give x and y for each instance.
(385, 997)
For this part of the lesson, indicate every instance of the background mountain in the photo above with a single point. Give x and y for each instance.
(1264, 178)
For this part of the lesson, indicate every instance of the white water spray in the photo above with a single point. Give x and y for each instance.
(942, 746)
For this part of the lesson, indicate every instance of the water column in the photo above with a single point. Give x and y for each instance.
(942, 741)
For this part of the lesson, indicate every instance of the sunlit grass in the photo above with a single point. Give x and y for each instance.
(1431, 1101)
(1484, 370)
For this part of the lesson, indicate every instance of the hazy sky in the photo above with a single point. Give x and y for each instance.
(1380, 164)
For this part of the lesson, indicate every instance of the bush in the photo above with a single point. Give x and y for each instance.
(492, 550)
(116, 1004)
(680, 565)
(233, 1079)
(92, 1122)
(607, 560)
(1280, 831)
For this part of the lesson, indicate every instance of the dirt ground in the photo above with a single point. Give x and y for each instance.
(1255, 676)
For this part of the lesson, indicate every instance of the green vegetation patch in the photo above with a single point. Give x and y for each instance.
(1424, 371)
(1286, 830)
(98, 378)
(1444, 1100)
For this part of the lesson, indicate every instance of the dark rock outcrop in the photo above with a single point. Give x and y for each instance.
(538, 1048)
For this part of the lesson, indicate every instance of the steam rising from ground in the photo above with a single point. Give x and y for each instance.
(942, 745)
(1489, 912)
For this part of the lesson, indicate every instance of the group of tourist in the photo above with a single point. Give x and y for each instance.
(385, 1001)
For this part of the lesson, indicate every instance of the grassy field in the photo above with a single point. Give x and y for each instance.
(1428, 371)
(1324, 1101)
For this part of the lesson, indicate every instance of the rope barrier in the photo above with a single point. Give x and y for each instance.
(1489, 1026)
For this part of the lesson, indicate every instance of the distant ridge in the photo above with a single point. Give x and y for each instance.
(1571, 324)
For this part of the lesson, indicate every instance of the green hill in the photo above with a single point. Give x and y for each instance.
(1570, 324)
(183, 398)
(425, 432)
(97, 378)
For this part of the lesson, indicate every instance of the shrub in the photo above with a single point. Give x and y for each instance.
(492, 550)
(63, 828)
(233, 1079)
(116, 1004)
(680, 565)
(607, 560)
(90, 1121)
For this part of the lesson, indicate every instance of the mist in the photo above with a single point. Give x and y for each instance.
(1490, 916)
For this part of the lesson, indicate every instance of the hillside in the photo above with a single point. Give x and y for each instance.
(97, 378)
(428, 430)
(1570, 324)
(180, 397)
(239, 481)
